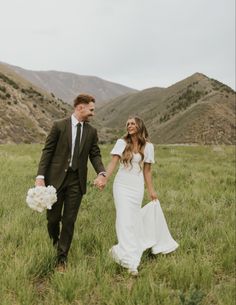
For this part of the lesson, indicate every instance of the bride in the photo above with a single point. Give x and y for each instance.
(137, 228)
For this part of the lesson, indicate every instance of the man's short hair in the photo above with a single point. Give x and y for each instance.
(83, 99)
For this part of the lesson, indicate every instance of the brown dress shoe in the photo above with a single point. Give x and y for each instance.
(61, 267)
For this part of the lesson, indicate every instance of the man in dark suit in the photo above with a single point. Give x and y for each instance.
(63, 164)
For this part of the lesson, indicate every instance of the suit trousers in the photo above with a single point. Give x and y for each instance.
(64, 213)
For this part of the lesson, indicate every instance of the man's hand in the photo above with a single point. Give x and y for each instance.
(39, 182)
(100, 182)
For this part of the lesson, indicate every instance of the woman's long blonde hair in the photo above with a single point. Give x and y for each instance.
(142, 137)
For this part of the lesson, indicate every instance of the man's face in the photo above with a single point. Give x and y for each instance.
(85, 111)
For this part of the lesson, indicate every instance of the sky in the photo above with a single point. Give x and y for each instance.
(137, 43)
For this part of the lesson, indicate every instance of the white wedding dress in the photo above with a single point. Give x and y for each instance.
(137, 228)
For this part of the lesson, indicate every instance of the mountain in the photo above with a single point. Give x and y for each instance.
(67, 86)
(26, 112)
(197, 109)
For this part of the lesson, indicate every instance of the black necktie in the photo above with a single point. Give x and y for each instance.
(74, 164)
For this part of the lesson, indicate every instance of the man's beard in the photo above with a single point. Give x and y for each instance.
(88, 118)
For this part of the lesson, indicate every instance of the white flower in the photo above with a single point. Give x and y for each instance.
(40, 198)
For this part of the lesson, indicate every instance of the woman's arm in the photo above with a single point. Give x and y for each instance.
(109, 171)
(147, 172)
(112, 165)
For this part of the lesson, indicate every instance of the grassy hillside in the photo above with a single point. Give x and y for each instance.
(205, 123)
(195, 110)
(196, 187)
(26, 112)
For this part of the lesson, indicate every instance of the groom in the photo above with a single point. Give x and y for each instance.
(63, 164)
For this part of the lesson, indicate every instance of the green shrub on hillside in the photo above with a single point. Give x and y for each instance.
(3, 89)
(185, 100)
(30, 92)
(218, 86)
(9, 81)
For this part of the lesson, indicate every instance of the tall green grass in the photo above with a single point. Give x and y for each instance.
(196, 188)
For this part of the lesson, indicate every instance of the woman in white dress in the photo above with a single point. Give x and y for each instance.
(137, 228)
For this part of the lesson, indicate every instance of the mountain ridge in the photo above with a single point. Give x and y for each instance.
(67, 85)
(166, 110)
(195, 110)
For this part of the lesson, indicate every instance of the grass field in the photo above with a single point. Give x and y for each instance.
(196, 188)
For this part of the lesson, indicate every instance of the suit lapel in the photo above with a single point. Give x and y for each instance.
(84, 135)
(69, 133)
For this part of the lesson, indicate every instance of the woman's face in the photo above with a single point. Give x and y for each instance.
(132, 127)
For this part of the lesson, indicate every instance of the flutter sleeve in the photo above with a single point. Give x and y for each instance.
(119, 147)
(149, 153)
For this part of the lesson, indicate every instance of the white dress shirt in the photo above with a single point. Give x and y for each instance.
(74, 123)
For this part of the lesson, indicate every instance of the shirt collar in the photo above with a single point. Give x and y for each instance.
(74, 121)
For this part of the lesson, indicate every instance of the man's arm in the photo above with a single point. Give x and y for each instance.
(95, 155)
(47, 153)
(96, 160)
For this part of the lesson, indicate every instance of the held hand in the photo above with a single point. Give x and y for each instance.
(39, 182)
(100, 182)
(98, 185)
(95, 183)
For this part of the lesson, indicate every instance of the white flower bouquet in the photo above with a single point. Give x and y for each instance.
(40, 198)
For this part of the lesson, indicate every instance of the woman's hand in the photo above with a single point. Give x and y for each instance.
(148, 179)
(153, 195)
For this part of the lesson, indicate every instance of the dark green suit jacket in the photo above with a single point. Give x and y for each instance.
(56, 154)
